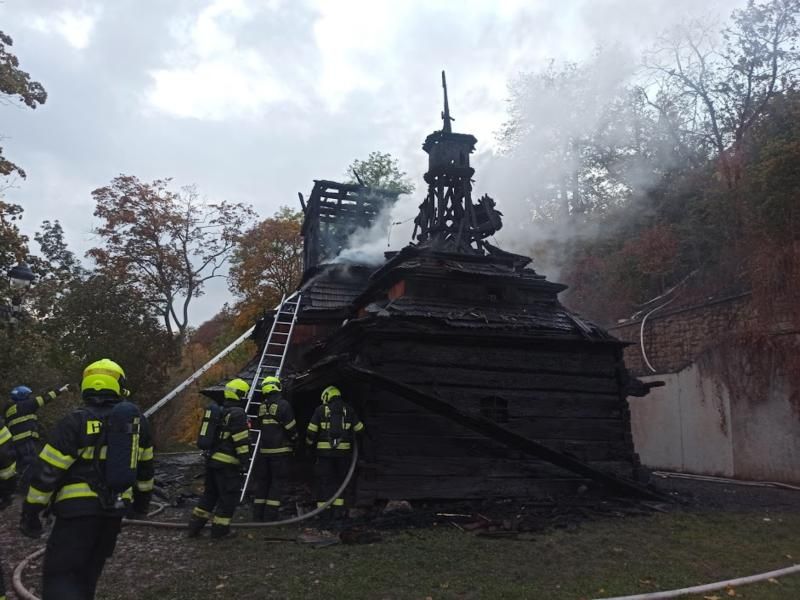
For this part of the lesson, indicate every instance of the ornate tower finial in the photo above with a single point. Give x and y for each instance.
(448, 219)
(446, 112)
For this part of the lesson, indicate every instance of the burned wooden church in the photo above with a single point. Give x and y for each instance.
(473, 380)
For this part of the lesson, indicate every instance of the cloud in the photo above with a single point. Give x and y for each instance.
(211, 76)
(252, 100)
(74, 27)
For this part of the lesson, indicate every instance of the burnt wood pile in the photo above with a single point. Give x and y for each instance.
(473, 380)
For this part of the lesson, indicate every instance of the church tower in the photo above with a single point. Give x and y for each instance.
(448, 220)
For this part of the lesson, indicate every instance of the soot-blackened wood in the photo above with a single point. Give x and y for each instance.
(520, 404)
(476, 380)
(539, 428)
(502, 434)
(501, 359)
(473, 445)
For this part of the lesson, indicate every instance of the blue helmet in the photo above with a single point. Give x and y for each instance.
(20, 393)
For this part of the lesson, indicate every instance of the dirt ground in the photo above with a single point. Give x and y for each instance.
(580, 549)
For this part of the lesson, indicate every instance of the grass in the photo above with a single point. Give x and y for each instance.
(601, 558)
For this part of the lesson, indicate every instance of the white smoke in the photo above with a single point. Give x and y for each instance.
(391, 230)
(518, 178)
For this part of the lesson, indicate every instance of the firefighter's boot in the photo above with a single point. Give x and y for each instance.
(258, 512)
(271, 514)
(196, 525)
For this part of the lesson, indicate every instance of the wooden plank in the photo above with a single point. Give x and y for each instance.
(520, 402)
(500, 433)
(539, 428)
(467, 379)
(405, 445)
(522, 406)
(481, 356)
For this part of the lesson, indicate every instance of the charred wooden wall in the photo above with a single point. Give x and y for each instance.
(560, 394)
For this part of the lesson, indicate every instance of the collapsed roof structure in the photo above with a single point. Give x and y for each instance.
(473, 380)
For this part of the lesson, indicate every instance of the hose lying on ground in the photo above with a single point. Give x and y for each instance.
(16, 580)
(709, 587)
(297, 519)
(20, 568)
(714, 479)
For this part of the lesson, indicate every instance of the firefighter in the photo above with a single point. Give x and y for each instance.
(331, 433)
(23, 423)
(225, 463)
(82, 473)
(7, 485)
(278, 436)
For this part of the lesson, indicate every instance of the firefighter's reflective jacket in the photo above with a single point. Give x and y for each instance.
(8, 466)
(233, 447)
(21, 417)
(70, 468)
(278, 427)
(322, 436)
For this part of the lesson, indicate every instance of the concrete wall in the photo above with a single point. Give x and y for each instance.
(695, 425)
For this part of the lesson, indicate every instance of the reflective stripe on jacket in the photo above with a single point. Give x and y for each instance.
(233, 449)
(21, 418)
(69, 467)
(278, 427)
(319, 431)
(8, 466)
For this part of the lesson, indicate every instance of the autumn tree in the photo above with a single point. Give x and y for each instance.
(380, 170)
(267, 262)
(165, 244)
(16, 86)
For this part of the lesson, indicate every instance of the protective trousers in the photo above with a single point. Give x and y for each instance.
(272, 473)
(26, 451)
(220, 497)
(76, 553)
(329, 473)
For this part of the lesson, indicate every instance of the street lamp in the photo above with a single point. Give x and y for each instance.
(20, 278)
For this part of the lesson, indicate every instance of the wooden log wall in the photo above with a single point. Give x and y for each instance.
(569, 400)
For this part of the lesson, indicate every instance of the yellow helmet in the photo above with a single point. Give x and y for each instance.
(236, 389)
(104, 375)
(270, 384)
(329, 393)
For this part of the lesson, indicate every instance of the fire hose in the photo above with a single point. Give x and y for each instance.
(710, 587)
(22, 591)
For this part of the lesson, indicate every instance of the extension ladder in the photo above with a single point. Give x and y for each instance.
(271, 362)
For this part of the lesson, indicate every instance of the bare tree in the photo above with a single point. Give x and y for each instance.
(716, 89)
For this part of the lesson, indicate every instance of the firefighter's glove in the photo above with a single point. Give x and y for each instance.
(63, 388)
(31, 525)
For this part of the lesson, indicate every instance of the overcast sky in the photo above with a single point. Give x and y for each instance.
(253, 99)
